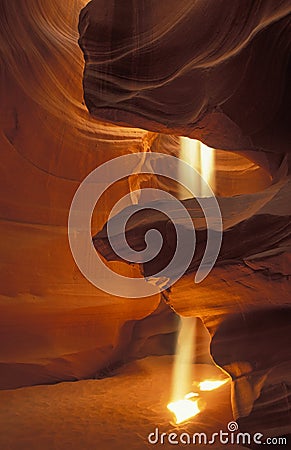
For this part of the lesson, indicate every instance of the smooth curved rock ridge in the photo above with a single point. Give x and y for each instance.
(260, 220)
(213, 70)
(52, 319)
(48, 68)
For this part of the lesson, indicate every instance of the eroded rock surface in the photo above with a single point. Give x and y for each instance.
(54, 325)
(249, 285)
(213, 70)
(225, 81)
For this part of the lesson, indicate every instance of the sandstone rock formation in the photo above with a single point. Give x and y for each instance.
(217, 71)
(222, 75)
(53, 323)
(184, 67)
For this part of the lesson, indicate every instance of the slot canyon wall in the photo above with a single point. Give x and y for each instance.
(54, 324)
(221, 75)
(226, 83)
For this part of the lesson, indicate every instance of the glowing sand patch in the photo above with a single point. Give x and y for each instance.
(210, 385)
(184, 409)
(191, 395)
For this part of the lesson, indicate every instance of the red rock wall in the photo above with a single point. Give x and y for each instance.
(217, 71)
(54, 324)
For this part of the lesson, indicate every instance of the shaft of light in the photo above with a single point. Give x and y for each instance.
(202, 159)
(183, 363)
(207, 158)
